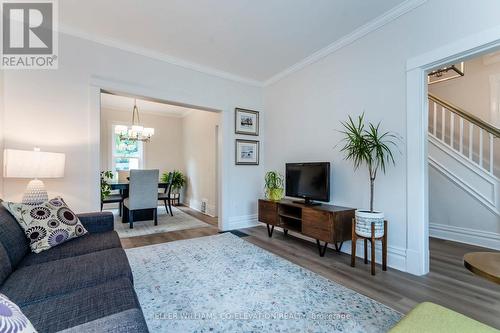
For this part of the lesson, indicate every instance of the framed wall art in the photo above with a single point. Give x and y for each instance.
(246, 122)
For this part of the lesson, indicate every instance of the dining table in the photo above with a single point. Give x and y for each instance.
(138, 215)
(484, 264)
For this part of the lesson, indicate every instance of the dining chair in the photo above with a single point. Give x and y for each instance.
(114, 198)
(166, 195)
(143, 193)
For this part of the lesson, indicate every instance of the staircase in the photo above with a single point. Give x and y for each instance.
(464, 159)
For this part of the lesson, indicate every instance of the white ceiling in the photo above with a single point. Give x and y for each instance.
(252, 39)
(122, 103)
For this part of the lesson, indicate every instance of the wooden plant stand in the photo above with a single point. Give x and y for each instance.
(372, 239)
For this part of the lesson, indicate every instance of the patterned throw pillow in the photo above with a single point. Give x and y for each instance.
(12, 319)
(47, 224)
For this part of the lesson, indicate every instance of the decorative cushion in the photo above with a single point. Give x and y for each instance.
(47, 224)
(12, 319)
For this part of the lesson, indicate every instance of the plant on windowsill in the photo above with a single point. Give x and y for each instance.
(274, 185)
(372, 147)
(105, 187)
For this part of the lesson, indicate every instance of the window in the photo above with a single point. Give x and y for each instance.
(126, 155)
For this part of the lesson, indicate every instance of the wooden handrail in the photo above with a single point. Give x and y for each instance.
(466, 115)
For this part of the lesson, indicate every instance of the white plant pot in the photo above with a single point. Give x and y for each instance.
(364, 220)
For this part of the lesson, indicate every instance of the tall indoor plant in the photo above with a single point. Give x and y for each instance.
(274, 182)
(371, 147)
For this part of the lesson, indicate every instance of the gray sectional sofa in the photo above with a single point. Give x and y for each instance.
(83, 285)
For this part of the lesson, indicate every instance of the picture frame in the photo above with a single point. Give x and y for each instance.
(246, 122)
(247, 152)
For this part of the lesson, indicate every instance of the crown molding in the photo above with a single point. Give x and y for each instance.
(348, 39)
(157, 56)
(165, 114)
(369, 27)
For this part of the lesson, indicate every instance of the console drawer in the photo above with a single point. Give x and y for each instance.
(268, 212)
(317, 224)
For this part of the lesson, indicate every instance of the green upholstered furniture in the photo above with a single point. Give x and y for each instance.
(432, 318)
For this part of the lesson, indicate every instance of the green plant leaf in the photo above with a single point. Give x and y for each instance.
(368, 146)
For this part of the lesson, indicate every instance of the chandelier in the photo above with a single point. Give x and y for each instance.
(135, 132)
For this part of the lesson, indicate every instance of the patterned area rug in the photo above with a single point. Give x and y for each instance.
(222, 283)
(166, 223)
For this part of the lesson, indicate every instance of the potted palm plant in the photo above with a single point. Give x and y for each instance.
(274, 185)
(372, 147)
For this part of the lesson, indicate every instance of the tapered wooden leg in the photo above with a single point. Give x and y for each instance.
(125, 214)
(366, 251)
(373, 248)
(102, 206)
(170, 206)
(130, 219)
(155, 212)
(384, 248)
(120, 204)
(353, 244)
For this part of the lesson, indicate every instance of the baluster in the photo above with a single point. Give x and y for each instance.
(492, 158)
(461, 139)
(471, 139)
(434, 126)
(452, 129)
(443, 123)
(481, 147)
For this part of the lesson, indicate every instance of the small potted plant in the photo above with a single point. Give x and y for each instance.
(274, 185)
(372, 147)
(105, 187)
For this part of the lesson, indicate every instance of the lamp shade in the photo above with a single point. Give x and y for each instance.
(33, 164)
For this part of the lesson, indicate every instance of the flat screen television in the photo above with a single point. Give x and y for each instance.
(310, 181)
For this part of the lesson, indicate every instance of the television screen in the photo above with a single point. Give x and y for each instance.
(310, 181)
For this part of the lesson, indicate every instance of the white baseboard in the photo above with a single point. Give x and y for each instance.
(196, 205)
(242, 222)
(396, 256)
(485, 239)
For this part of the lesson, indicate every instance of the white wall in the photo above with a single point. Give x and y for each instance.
(471, 92)
(164, 152)
(200, 150)
(55, 110)
(456, 215)
(304, 110)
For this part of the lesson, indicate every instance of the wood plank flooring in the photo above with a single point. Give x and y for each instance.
(448, 284)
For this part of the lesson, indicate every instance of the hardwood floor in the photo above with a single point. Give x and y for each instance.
(209, 230)
(448, 284)
(200, 216)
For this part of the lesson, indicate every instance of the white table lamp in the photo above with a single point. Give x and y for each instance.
(33, 164)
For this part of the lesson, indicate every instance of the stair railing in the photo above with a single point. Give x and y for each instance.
(447, 123)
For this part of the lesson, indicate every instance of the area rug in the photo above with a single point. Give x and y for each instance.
(166, 223)
(223, 283)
